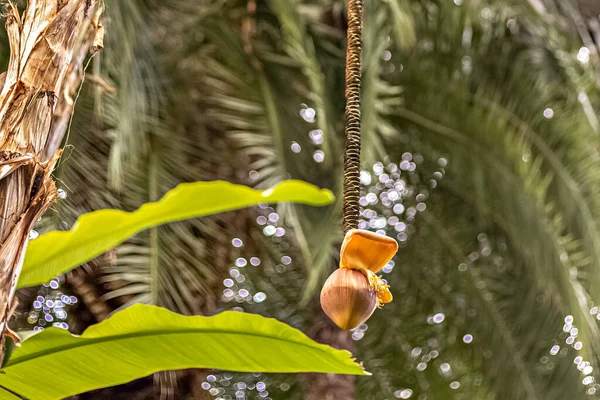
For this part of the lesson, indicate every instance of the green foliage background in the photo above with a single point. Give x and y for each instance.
(494, 103)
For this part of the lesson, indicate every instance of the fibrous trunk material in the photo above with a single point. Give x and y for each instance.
(48, 44)
(329, 386)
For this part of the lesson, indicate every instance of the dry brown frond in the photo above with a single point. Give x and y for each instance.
(48, 43)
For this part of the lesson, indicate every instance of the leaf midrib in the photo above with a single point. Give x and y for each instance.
(93, 341)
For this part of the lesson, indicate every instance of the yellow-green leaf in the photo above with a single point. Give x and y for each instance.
(143, 339)
(94, 233)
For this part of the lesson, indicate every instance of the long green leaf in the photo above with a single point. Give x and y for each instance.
(97, 232)
(6, 395)
(143, 339)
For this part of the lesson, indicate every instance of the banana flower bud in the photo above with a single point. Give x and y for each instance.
(353, 292)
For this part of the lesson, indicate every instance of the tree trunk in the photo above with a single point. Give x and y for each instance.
(329, 386)
(589, 8)
(48, 43)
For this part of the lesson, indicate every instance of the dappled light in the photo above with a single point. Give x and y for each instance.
(300, 199)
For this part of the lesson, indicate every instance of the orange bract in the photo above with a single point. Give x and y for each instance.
(366, 250)
(354, 291)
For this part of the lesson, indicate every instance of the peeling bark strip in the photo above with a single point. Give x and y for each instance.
(48, 44)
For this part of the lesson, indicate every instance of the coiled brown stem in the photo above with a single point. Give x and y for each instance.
(352, 147)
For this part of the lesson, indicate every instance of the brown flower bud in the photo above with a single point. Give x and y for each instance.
(348, 298)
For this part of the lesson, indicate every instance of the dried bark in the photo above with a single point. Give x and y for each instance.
(329, 386)
(48, 44)
(589, 8)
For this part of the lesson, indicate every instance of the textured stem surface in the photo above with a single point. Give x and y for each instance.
(352, 150)
(46, 43)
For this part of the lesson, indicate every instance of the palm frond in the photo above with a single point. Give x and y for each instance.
(482, 327)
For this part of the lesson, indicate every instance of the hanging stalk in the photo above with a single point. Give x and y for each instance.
(352, 147)
(47, 46)
(352, 292)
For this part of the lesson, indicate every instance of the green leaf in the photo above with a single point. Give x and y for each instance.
(144, 339)
(97, 232)
(6, 395)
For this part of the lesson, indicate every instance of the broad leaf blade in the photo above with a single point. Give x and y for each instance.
(143, 339)
(7, 395)
(97, 232)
